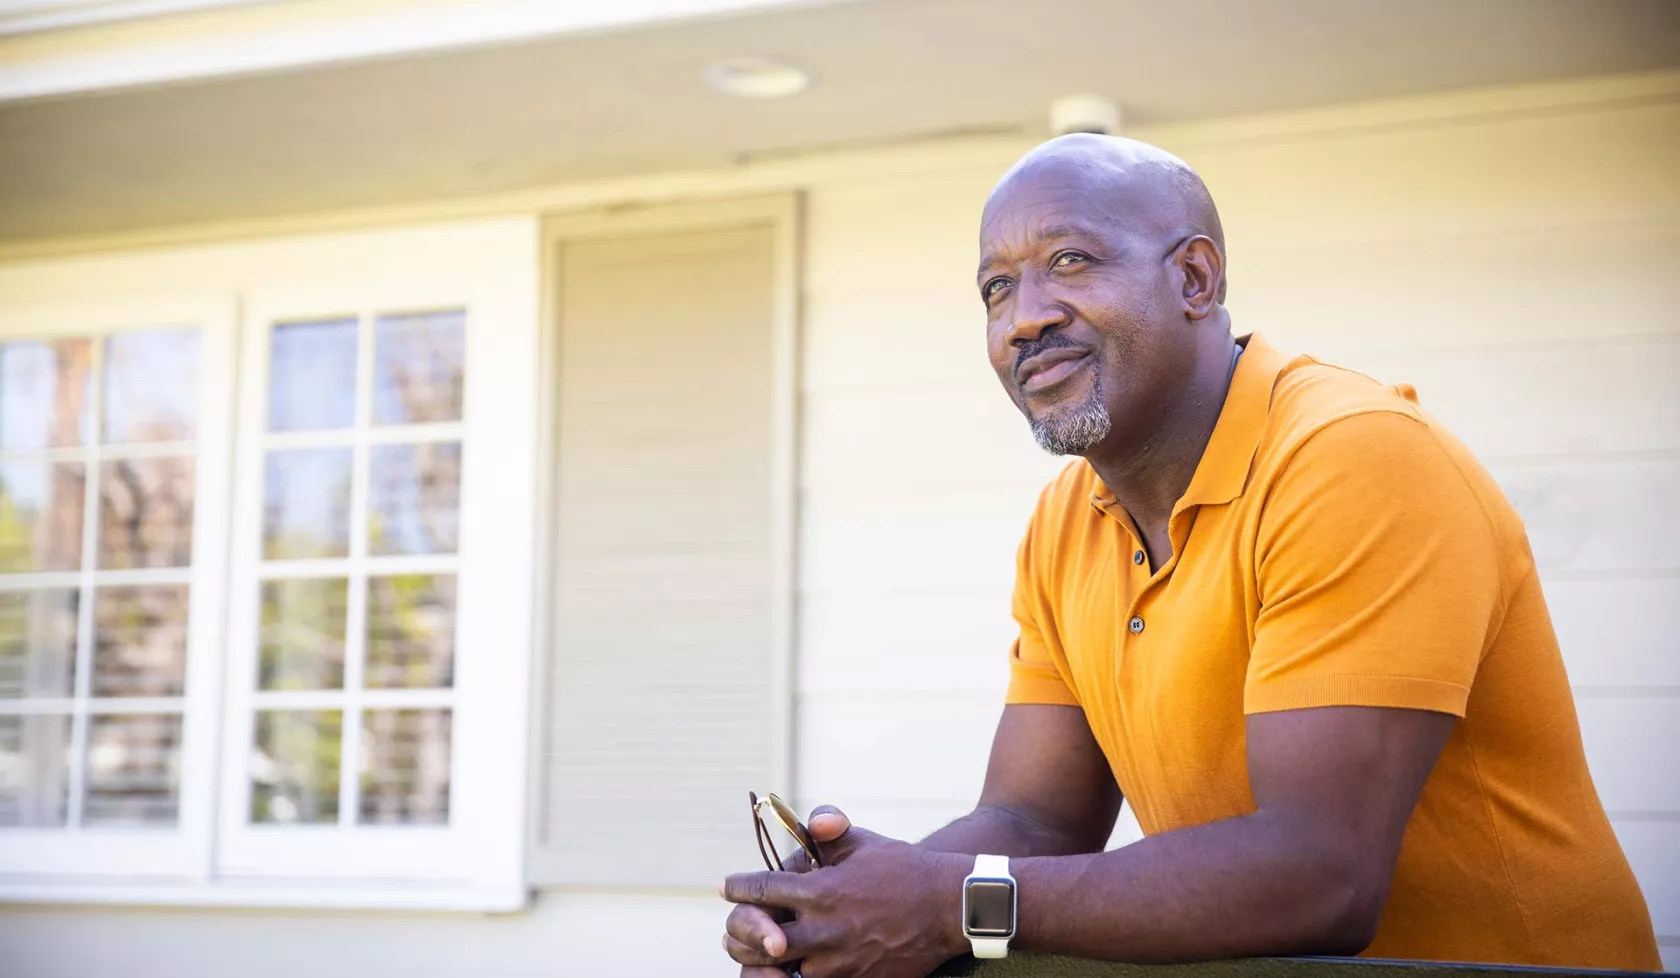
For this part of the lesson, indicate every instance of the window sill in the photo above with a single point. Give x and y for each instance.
(309, 895)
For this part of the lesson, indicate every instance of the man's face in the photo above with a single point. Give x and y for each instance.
(1079, 304)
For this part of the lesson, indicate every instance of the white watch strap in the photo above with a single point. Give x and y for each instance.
(991, 867)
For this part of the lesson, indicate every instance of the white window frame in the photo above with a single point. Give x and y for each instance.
(487, 267)
(484, 622)
(99, 854)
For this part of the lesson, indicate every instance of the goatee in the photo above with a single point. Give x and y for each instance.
(1072, 431)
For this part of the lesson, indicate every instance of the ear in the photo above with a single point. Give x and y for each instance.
(1203, 269)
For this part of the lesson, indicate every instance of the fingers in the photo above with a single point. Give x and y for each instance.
(801, 942)
(746, 954)
(836, 834)
(754, 929)
(828, 823)
(833, 833)
(804, 940)
(768, 889)
(763, 973)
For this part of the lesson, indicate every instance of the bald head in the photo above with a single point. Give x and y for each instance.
(1129, 185)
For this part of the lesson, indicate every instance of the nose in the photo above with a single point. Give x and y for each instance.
(1036, 310)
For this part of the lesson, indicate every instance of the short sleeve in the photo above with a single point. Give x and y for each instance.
(1034, 676)
(1378, 574)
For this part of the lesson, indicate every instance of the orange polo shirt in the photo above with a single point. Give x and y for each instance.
(1337, 547)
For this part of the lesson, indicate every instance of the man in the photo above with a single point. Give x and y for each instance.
(1276, 605)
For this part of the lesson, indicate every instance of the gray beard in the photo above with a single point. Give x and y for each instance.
(1074, 430)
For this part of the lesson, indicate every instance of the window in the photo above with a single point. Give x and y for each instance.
(265, 580)
(364, 602)
(351, 663)
(110, 439)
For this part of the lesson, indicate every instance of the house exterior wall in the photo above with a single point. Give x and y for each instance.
(1516, 262)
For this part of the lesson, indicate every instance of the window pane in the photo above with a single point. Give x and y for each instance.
(41, 516)
(405, 767)
(417, 367)
(303, 626)
(146, 513)
(312, 376)
(294, 766)
(308, 504)
(151, 386)
(414, 496)
(38, 642)
(410, 631)
(140, 640)
(133, 769)
(34, 769)
(44, 393)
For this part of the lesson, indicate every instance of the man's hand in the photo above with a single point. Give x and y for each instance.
(881, 908)
(1048, 791)
(753, 932)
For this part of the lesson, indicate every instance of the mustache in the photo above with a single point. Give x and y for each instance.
(1049, 340)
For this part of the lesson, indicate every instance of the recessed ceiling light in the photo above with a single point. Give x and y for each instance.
(756, 78)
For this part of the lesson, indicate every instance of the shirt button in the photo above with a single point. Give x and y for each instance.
(1137, 558)
(1136, 625)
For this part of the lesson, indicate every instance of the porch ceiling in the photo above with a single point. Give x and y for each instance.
(493, 118)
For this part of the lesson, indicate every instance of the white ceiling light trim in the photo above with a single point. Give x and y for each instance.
(756, 78)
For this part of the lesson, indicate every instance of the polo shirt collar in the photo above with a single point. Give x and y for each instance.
(1222, 473)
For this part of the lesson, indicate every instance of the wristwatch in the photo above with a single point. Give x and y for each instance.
(988, 907)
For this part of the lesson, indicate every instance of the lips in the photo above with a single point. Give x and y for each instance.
(1049, 368)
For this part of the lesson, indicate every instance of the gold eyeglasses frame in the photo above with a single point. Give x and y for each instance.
(790, 824)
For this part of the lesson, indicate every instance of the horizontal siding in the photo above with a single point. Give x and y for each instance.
(911, 640)
(912, 746)
(897, 437)
(900, 307)
(1597, 515)
(1303, 292)
(1624, 736)
(1429, 184)
(1653, 847)
(1614, 394)
(1618, 631)
(927, 541)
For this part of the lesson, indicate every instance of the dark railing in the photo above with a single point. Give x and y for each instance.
(1047, 966)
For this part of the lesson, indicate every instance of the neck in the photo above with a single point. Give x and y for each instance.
(1149, 473)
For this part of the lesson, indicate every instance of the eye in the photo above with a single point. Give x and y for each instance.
(1065, 259)
(993, 288)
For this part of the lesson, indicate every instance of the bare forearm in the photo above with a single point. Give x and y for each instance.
(1004, 831)
(1242, 887)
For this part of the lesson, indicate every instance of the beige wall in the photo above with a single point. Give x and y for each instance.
(1515, 261)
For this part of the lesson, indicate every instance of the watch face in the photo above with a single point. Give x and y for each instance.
(990, 909)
